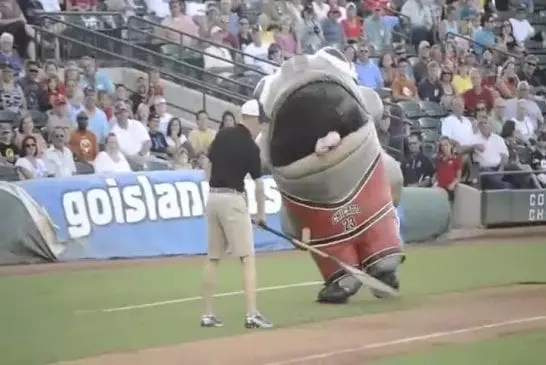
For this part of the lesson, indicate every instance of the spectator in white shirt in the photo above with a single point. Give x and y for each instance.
(58, 158)
(29, 165)
(218, 59)
(133, 139)
(421, 20)
(164, 116)
(525, 127)
(521, 27)
(457, 127)
(491, 154)
(111, 160)
(321, 9)
(257, 50)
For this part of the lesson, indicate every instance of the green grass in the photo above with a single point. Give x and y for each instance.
(39, 322)
(521, 349)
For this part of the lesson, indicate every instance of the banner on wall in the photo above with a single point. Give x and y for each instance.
(140, 214)
(144, 214)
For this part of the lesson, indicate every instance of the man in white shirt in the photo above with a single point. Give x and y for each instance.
(223, 62)
(524, 125)
(457, 127)
(164, 117)
(133, 138)
(256, 49)
(491, 154)
(159, 7)
(521, 27)
(532, 110)
(58, 158)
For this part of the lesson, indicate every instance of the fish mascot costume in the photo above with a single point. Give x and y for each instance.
(339, 188)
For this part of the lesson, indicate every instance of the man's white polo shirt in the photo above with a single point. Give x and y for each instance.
(59, 163)
(130, 139)
(494, 149)
(458, 129)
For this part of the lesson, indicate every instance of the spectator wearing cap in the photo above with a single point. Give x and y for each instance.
(485, 37)
(420, 18)
(403, 89)
(8, 54)
(98, 123)
(368, 73)
(201, 137)
(160, 108)
(13, 22)
(521, 28)
(12, 97)
(159, 143)
(376, 31)
(218, 59)
(529, 72)
(91, 77)
(332, 29)
(58, 158)
(478, 94)
(83, 142)
(352, 27)
(35, 94)
(58, 117)
(420, 67)
(257, 50)
(430, 87)
(134, 140)
(179, 21)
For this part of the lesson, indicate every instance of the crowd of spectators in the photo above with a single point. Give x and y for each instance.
(472, 59)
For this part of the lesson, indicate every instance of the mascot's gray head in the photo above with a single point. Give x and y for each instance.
(309, 97)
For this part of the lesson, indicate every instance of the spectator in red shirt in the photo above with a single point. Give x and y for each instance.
(448, 168)
(478, 94)
(54, 88)
(370, 5)
(352, 26)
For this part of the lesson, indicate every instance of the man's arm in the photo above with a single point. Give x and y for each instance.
(256, 174)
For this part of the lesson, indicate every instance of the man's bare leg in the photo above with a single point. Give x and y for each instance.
(249, 283)
(209, 287)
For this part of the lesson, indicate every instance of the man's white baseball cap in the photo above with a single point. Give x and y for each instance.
(251, 108)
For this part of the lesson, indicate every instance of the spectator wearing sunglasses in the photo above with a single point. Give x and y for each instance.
(29, 165)
(32, 89)
(58, 158)
(530, 73)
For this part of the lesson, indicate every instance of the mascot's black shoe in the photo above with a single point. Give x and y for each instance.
(391, 280)
(332, 293)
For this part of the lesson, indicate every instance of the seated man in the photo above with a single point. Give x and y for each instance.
(538, 159)
(159, 143)
(417, 168)
(491, 154)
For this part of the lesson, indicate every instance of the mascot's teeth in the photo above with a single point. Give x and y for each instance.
(324, 144)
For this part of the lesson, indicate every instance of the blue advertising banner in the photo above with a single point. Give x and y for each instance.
(144, 214)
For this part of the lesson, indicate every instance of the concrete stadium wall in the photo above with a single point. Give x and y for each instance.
(179, 96)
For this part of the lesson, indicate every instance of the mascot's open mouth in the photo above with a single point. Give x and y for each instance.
(308, 114)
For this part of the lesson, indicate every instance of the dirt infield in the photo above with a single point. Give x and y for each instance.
(451, 318)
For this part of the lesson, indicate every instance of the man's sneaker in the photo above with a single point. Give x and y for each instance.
(211, 321)
(256, 320)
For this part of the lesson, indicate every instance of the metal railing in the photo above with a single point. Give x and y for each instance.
(118, 49)
(205, 89)
(483, 46)
(200, 40)
(104, 20)
(400, 15)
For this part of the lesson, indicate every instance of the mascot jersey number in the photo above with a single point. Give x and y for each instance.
(323, 152)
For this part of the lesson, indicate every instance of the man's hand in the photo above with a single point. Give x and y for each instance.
(259, 220)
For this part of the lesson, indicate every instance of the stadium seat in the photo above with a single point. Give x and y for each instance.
(429, 123)
(84, 168)
(430, 135)
(433, 109)
(412, 109)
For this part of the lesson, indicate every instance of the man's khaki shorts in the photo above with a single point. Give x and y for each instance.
(229, 225)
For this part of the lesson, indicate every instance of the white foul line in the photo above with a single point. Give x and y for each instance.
(407, 340)
(193, 299)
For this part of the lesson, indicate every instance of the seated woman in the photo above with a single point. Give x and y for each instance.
(29, 165)
(448, 167)
(111, 160)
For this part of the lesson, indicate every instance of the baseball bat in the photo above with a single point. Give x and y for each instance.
(366, 279)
